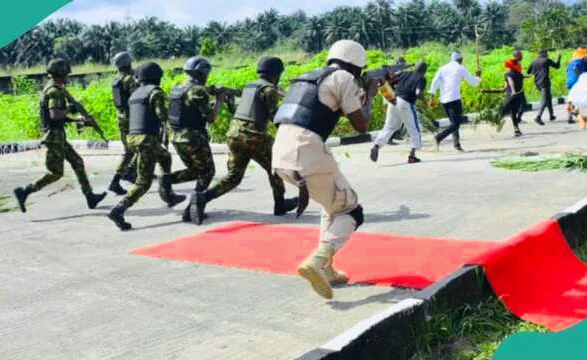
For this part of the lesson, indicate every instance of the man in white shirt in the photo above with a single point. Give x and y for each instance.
(448, 79)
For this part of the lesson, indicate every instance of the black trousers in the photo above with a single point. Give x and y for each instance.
(454, 111)
(514, 106)
(545, 102)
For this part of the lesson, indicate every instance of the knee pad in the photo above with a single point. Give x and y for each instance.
(358, 215)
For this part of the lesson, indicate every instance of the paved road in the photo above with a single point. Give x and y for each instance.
(70, 290)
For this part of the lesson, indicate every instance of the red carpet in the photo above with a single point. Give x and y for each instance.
(535, 273)
(539, 278)
(371, 258)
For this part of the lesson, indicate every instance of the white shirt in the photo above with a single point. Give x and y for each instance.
(449, 78)
(578, 94)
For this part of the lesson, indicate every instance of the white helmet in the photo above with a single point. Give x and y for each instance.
(350, 52)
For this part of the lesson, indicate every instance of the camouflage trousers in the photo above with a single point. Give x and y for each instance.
(149, 152)
(129, 160)
(197, 157)
(57, 153)
(244, 148)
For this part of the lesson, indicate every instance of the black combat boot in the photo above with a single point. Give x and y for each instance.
(94, 199)
(283, 206)
(117, 216)
(198, 202)
(115, 186)
(166, 194)
(21, 195)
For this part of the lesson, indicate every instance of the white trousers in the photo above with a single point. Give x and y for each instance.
(401, 113)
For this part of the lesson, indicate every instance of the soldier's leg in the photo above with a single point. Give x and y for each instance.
(123, 167)
(146, 160)
(262, 155)
(342, 214)
(163, 157)
(77, 164)
(238, 160)
(204, 163)
(187, 154)
(54, 163)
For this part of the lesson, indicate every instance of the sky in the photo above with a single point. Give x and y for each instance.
(189, 12)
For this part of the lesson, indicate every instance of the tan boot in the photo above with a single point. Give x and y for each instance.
(335, 278)
(312, 269)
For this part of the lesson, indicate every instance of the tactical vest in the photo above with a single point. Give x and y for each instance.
(251, 108)
(182, 116)
(142, 118)
(46, 122)
(302, 106)
(119, 94)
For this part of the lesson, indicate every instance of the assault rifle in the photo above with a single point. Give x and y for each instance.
(229, 93)
(88, 121)
(384, 73)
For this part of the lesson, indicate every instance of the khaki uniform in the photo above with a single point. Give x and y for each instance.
(298, 149)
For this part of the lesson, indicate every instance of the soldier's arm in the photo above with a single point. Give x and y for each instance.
(58, 106)
(356, 103)
(159, 104)
(130, 84)
(200, 98)
(270, 97)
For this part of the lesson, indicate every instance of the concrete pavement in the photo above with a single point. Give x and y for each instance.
(70, 289)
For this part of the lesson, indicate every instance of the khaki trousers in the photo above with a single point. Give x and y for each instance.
(336, 197)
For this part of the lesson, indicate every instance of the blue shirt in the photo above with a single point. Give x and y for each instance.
(572, 78)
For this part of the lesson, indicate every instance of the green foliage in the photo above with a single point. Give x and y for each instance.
(209, 47)
(19, 118)
(568, 162)
(22, 85)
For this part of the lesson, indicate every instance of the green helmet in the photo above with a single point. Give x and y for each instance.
(149, 72)
(122, 60)
(59, 67)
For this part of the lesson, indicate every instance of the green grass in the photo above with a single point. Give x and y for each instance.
(475, 333)
(568, 162)
(19, 113)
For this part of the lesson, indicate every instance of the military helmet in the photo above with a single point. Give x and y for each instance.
(149, 72)
(350, 52)
(59, 67)
(198, 65)
(122, 60)
(270, 65)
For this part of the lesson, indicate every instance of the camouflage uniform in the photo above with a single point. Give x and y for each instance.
(192, 145)
(149, 151)
(58, 149)
(247, 142)
(129, 160)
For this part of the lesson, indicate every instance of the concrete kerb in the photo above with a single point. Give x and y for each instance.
(393, 334)
(10, 148)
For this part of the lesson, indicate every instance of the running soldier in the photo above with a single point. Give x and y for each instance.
(147, 118)
(55, 106)
(248, 140)
(311, 110)
(189, 112)
(122, 88)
